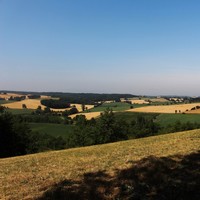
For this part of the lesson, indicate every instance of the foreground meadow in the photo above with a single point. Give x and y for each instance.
(145, 168)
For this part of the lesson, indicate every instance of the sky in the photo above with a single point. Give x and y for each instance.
(143, 47)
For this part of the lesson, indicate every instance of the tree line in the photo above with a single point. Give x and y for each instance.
(16, 137)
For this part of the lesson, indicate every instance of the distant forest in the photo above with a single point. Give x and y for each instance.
(79, 98)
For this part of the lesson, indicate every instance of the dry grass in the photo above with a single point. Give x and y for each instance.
(29, 177)
(88, 116)
(165, 108)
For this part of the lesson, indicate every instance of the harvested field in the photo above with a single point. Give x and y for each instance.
(162, 100)
(8, 95)
(166, 108)
(136, 101)
(45, 97)
(197, 111)
(88, 116)
(139, 101)
(30, 104)
(78, 106)
(34, 103)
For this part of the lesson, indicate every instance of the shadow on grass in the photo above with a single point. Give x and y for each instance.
(171, 178)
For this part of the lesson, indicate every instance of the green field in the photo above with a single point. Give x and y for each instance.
(162, 119)
(129, 116)
(52, 129)
(19, 111)
(116, 106)
(166, 119)
(6, 101)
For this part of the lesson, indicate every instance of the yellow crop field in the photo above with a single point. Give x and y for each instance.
(193, 111)
(30, 104)
(159, 100)
(45, 97)
(78, 106)
(165, 108)
(8, 95)
(88, 116)
(136, 101)
(139, 101)
(34, 103)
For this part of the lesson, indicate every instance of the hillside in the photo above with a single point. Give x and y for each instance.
(158, 167)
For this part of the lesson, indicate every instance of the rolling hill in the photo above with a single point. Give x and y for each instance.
(158, 167)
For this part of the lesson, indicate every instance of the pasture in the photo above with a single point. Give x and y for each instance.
(129, 116)
(19, 111)
(166, 119)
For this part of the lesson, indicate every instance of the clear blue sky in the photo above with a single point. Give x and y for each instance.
(109, 46)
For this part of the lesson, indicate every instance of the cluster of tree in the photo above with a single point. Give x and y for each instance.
(18, 98)
(143, 127)
(195, 108)
(14, 136)
(55, 103)
(90, 132)
(48, 111)
(34, 96)
(17, 138)
(2, 109)
(179, 126)
(87, 98)
(194, 100)
(42, 119)
(48, 116)
(71, 111)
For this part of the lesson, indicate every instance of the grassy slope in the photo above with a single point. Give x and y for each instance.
(117, 169)
(52, 129)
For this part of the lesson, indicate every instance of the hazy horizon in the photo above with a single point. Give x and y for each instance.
(139, 47)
